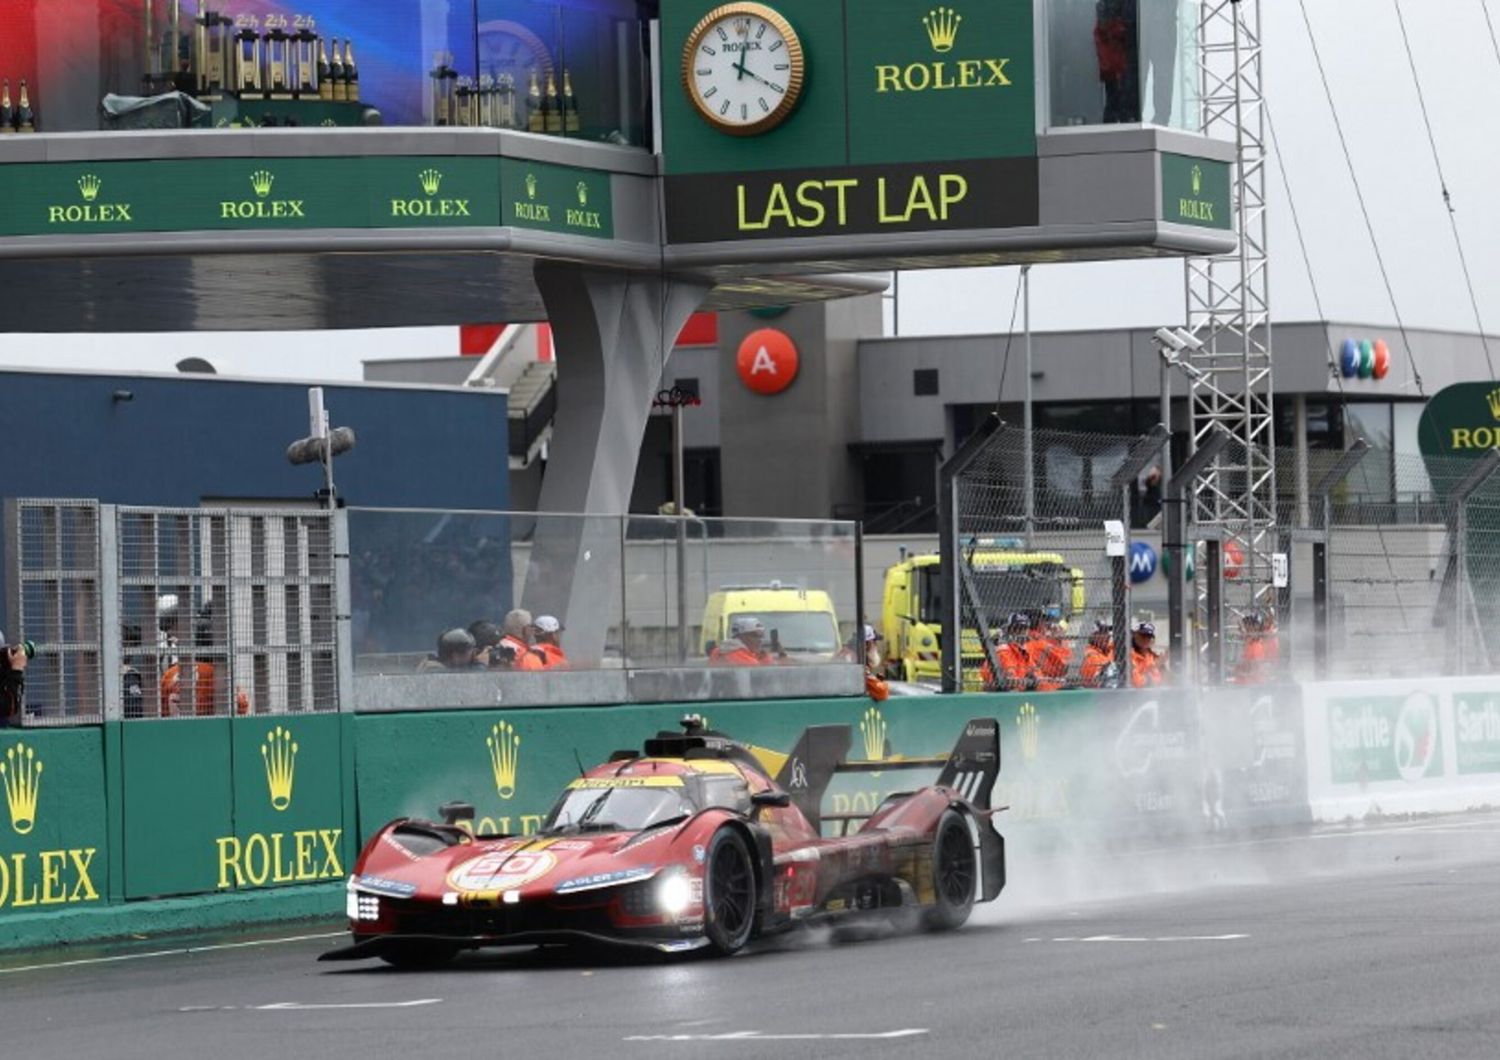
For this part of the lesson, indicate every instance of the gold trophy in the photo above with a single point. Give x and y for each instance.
(278, 48)
(443, 75)
(211, 47)
(247, 80)
(305, 57)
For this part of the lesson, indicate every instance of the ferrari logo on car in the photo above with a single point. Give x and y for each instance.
(505, 755)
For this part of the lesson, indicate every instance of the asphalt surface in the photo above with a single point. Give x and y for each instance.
(1365, 942)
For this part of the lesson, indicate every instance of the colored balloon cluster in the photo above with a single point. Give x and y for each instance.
(1363, 359)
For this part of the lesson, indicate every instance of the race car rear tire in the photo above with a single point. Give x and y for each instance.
(418, 955)
(955, 874)
(728, 893)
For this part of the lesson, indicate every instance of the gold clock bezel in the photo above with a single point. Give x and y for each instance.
(795, 78)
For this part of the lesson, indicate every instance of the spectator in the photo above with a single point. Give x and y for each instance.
(455, 651)
(1145, 664)
(190, 676)
(1049, 653)
(1016, 672)
(486, 642)
(519, 629)
(13, 660)
(1259, 655)
(1099, 669)
(548, 631)
(743, 648)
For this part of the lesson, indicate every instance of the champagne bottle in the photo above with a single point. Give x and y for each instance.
(7, 112)
(325, 71)
(552, 116)
(336, 74)
(571, 121)
(25, 116)
(535, 120)
(351, 73)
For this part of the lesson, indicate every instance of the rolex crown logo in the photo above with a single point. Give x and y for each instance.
(1197, 181)
(88, 186)
(21, 774)
(280, 756)
(261, 181)
(1493, 397)
(583, 193)
(873, 728)
(531, 185)
(505, 754)
(1030, 726)
(942, 28)
(431, 180)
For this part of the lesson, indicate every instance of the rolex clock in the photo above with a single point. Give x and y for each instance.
(743, 68)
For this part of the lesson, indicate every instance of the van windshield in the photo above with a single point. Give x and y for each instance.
(1002, 590)
(800, 632)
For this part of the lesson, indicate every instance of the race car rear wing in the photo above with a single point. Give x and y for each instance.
(821, 753)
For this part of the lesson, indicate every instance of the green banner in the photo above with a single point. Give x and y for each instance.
(1374, 738)
(53, 829)
(1476, 724)
(556, 199)
(1461, 420)
(219, 194)
(214, 804)
(288, 804)
(1195, 191)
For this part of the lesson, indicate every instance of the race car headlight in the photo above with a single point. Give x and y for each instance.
(674, 893)
(361, 906)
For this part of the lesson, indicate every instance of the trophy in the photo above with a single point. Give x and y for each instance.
(443, 75)
(276, 78)
(247, 80)
(305, 56)
(212, 45)
(164, 44)
(486, 101)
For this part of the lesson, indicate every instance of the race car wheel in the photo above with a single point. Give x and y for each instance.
(954, 874)
(418, 955)
(728, 893)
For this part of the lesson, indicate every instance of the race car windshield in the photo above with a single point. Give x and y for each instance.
(616, 809)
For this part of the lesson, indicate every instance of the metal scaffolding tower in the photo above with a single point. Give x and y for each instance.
(1228, 309)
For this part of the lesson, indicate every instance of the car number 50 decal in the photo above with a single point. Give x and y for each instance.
(499, 871)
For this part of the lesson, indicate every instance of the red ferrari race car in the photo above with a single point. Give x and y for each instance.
(696, 842)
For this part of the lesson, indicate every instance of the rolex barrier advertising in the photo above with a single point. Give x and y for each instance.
(227, 804)
(1398, 747)
(54, 827)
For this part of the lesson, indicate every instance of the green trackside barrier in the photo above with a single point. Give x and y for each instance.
(54, 830)
(228, 804)
(1132, 760)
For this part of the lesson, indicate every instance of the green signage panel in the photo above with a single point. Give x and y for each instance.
(1195, 191)
(1374, 738)
(940, 82)
(1476, 723)
(556, 199)
(1460, 420)
(178, 796)
(219, 194)
(53, 828)
(288, 804)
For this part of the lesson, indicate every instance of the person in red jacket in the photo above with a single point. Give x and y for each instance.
(548, 647)
(1016, 671)
(743, 648)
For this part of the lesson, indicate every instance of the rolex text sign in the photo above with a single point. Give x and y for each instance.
(53, 832)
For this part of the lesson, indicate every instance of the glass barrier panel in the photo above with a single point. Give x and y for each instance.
(86, 65)
(1122, 62)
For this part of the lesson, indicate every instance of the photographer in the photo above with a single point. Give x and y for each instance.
(13, 660)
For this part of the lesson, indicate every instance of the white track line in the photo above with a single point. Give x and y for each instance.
(757, 1036)
(170, 953)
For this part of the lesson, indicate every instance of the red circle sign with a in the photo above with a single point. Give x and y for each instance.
(767, 361)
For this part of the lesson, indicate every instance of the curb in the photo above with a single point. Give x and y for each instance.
(166, 916)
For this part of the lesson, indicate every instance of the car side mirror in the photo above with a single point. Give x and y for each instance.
(763, 799)
(453, 812)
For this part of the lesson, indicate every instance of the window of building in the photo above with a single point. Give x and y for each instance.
(924, 382)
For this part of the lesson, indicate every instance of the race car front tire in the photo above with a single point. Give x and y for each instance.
(954, 874)
(728, 892)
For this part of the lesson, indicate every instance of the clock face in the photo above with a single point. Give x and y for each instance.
(743, 68)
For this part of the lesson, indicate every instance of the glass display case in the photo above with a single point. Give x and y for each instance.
(1122, 62)
(571, 68)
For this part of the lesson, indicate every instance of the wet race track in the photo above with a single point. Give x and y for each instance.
(1380, 941)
